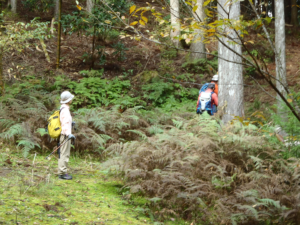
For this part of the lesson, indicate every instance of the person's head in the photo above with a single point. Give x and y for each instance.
(215, 78)
(66, 98)
(211, 86)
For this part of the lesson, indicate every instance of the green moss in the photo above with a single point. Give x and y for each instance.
(87, 199)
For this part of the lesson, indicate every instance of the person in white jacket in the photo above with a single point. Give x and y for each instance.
(66, 132)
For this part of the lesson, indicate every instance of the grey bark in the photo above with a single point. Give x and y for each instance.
(56, 10)
(280, 57)
(13, 4)
(198, 45)
(175, 23)
(89, 5)
(294, 13)
(231, 88)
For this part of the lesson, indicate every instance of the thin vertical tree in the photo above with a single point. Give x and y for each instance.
(13, 5)
(280, 56)
(231, 88)
(58, 34)
(175, 21)
(198, 45)
(89, 5)
(56, 9)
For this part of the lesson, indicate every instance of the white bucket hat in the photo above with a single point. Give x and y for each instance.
(215, 78)
(66, 97)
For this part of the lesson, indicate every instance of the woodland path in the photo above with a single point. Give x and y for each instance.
(90, 198)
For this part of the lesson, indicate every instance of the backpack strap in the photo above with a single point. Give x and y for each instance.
(61, 109)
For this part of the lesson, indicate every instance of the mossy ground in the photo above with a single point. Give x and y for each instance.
(31, 193)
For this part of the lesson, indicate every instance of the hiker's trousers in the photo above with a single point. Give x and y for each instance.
(64, 155)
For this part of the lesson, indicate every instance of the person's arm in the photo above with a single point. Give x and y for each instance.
(214, 98)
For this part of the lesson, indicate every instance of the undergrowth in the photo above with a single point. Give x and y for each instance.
(197, 170)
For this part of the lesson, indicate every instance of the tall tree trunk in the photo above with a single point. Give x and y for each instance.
(294, 13)
(280, 48)
(198, 45)
(89, 5)
(56, 9)
(13, 4)
(175, 16)
(231, 88)
(58, 34)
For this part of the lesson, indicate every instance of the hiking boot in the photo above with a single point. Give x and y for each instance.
(65, 177)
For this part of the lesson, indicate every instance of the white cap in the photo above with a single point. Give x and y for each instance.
(66, 97)
(215, 78)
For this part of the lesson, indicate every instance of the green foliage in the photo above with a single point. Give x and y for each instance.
(169, 53)
(291, 126)
(250, 70)
(200, 65)
(120, 51)
(95, 91)
(158, 91)
(168, 95)
(92, 73)
(38, 5)
(166, 67)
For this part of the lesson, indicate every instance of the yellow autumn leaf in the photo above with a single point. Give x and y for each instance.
(290, 100)
(84, 20)
(206, 3)
(252, 42)
(78, 7)
(107, 21)
(142, 22)
(134, 23)
(132, 8)
(145, 19)
(195, 8)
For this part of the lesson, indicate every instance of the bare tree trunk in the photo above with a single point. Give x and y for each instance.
(294, 13)
(58, 35)
(56, 9)
(175, 16)
(280, 48)
(13, 4)
(198, 45)
(231, 88)
(89, 5)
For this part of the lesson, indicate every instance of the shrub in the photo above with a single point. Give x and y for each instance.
(196, 170)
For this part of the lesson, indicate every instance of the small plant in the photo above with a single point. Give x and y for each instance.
(120, 51)
(92, 73)
(166, 67)
(169, 54)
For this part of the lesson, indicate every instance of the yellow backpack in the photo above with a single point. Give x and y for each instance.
(54, 126)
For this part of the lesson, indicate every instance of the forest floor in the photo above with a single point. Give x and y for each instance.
(31, 193)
